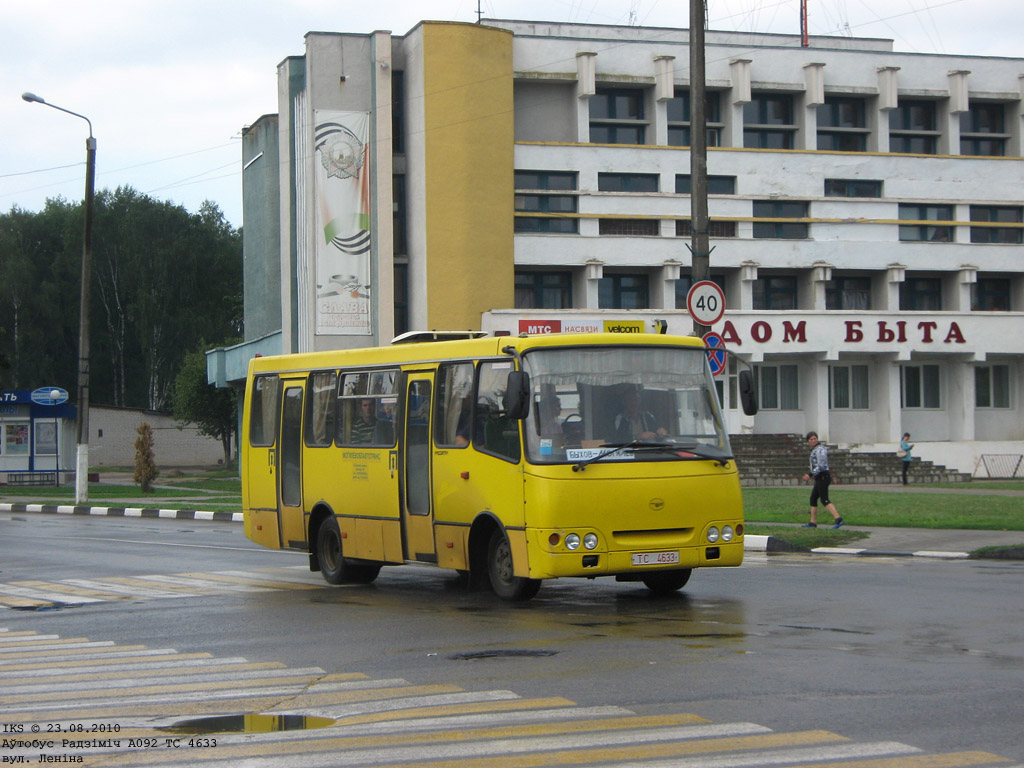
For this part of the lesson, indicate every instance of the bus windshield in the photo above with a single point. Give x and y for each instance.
(652, 403)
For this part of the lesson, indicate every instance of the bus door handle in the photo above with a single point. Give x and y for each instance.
(392, 462)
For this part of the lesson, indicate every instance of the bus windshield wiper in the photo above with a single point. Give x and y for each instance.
(691, 447)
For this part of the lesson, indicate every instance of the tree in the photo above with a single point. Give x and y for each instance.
(145, 466)
(213, 410)
(162, 279)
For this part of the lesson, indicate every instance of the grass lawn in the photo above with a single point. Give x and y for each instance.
(901, 509)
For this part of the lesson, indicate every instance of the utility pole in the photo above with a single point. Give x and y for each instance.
(700, 253)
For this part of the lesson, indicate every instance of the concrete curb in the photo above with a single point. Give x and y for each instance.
(752, 543)
(143, 512)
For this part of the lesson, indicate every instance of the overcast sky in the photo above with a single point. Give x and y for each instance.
(168, 86)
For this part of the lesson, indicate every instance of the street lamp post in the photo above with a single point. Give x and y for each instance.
(82, 422)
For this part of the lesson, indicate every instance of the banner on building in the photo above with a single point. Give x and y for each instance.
(343, 234)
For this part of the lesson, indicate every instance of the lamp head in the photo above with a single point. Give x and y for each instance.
(27, 96)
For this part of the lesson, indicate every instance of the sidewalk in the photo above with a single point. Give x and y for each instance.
(908, 542)
(917, 542)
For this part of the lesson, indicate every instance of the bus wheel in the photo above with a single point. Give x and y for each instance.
(667, 582)
(499, 568)
(328, 552)
(332, 560)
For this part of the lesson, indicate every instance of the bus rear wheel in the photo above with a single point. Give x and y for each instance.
(667, 582)
(505, 584)
(332, 561)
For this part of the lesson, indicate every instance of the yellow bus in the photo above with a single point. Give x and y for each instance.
(509, 459)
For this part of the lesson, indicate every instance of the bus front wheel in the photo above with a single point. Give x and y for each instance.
(667, 582)
(505, 584)
(332, 561)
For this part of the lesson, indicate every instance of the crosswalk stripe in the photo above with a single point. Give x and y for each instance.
(897, 756)
(132, 587)
(127, 676)
(281, 574)
(66, 686)
(22, 602)
(99, 660)
(57, 587)
(8, 637)
(209, 584)
(256, 580)
(45, 596)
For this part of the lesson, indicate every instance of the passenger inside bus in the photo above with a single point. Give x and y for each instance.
(362, 425)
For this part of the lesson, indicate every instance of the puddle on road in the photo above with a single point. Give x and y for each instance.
(500, 654)
(247, 724)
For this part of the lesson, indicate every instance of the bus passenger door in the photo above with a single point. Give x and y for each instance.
(417, 511)
(292, 523)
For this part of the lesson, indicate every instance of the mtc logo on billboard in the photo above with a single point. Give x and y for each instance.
(537, 327)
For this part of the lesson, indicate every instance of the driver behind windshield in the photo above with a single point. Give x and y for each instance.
(633, 422)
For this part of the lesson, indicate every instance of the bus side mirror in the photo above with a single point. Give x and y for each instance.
(748, 395)
(517, 395)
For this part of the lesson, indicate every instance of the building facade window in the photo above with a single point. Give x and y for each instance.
(913, 127)
(678, 111)
(775, 292)
(842, 125)
(997, 214)
(543, 290)
(853, 188)
(398, 112)
(561, 207)
(983, 130)
(716, 228)
(919, 386)
(631, 227)
(848, 387)
(921, 231)
(627, 182)
(778, 387)
(992, 386)
(717, 185)
(991, 294)
(623, 291)
(617, 116)
(398, 221)
(921, 294)
(768, 121)
(848, 292)
(781, 209)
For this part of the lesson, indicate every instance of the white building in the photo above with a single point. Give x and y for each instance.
(866, 211)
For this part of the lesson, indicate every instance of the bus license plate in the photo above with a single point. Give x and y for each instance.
(655, 558)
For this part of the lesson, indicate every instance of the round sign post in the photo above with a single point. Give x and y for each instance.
(717, 354)
(705, 302)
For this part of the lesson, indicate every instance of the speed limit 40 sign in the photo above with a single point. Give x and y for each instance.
(705, 302)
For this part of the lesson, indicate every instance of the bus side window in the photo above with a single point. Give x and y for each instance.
(320, 409)
(453, 421)
(263, 411)
(494, 432)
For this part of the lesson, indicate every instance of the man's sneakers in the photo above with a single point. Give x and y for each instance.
(810, 525)
(839, 523)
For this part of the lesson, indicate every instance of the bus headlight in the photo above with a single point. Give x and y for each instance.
(590, 541)
(712, 534)
(572, 541)
(727, 533)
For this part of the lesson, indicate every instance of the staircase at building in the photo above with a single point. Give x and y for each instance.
(781, 459)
